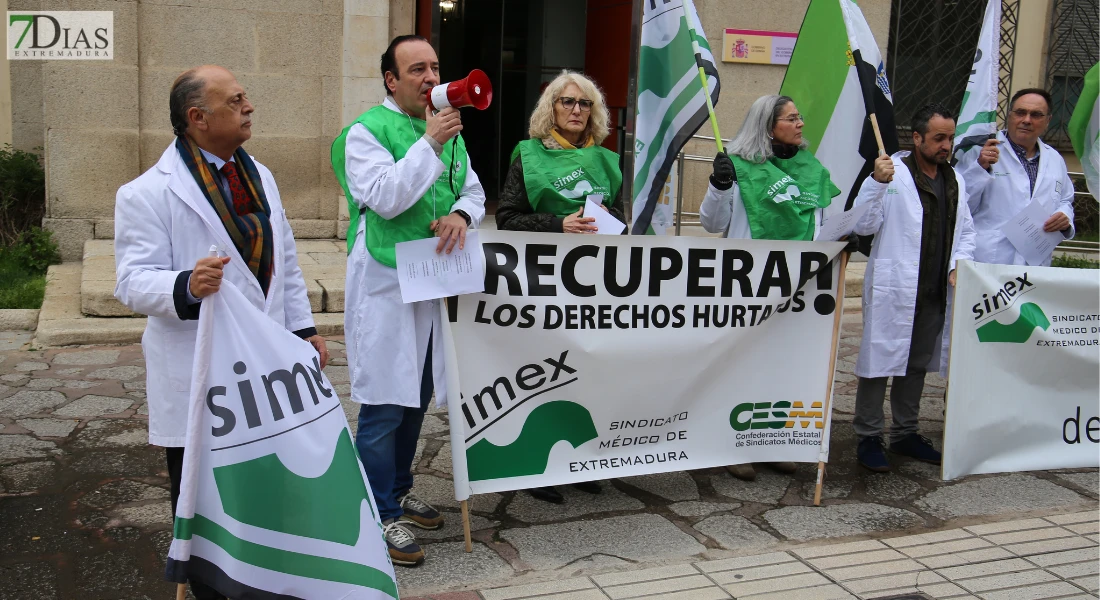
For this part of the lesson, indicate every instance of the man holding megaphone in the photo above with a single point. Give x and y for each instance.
(406, 176)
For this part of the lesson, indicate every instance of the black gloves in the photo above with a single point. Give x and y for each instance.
(723, 176)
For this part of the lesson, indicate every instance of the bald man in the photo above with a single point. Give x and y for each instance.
(205, 191)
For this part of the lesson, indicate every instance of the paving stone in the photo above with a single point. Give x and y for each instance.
(16, 378)
(1087, 481)
(134, 385)
(144, 410)
(138, 395)
(997, 495)
(26, 367)
(965, 558)
(48, 383)
(745, 562)
(30, 402)
(449, 563)
(35, 580)
(528, 509)
(123, 373)
(784, 587)
(94, 406)
(69, 372)
(676, 485)
(156, 515)
(558, 586)
(768, 488)
(831, 490)
(1077, 517)
(16, 447)
(806, 522)
(1013, 525)
(337, 374)
(87, 357)
(884, 585)
(702, 509)
(642, 537)
(839, 549)
(49, 427)
(433, 424)
(734, 532)
(28, 476)
(4, 389)
(122, 492)
(442, 461)
(440, 493)
(919, 470)
(690, 586)
(1046, 546)
(113, 432)
(452, 526)
(890, 486)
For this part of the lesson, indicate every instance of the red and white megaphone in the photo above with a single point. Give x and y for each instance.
(475, 91)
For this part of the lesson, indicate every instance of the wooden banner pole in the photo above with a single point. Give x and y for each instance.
(466, 525)
(878, 135)
(832, 368)
(181, 591)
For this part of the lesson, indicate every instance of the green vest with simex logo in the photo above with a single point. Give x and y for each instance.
(397, 132)
(781, 195)
(559, 181)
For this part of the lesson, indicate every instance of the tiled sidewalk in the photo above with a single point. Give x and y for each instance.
(1051, 557)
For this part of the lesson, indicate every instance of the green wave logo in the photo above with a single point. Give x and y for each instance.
(547, 425)
(1031, 316)
(262, 492)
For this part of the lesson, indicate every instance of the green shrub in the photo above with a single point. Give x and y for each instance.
(22, 194)
(35, 251)
(1074, 262)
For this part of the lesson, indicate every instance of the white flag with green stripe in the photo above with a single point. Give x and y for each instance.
(273, 500)
(1084, 130)
(837, 78)
(671, 103)
(977, 120)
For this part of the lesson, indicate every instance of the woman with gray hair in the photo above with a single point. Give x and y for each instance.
(562, 163)
(768, 187)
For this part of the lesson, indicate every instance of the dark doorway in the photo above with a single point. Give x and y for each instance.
(522, 45)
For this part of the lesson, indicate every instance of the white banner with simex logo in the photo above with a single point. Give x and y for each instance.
(592, 357)
(1024, 372)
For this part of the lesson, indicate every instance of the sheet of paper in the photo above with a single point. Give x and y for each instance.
(605, 223)
(425, 275)
(841, 224)
(1025, 231)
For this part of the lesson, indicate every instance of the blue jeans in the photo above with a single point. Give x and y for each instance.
(386, 441)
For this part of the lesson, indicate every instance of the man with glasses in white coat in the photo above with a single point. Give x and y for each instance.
(1000, 188)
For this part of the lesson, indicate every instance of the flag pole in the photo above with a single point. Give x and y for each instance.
(878, 139)
(181, 591)
(832, 364)
(703, 76)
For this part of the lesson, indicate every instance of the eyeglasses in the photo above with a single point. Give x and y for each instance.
(796, 118)
(568, 103)
(1020, 113)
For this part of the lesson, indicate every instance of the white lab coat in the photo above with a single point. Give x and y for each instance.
(386, 339)
(723, 211)
(998, 196)
(163, 226)
(890, 283)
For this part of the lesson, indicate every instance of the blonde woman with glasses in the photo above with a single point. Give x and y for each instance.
(562, 163)
(554, 171)
(767, 188)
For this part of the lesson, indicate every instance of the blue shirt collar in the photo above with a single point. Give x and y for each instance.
(218, 163)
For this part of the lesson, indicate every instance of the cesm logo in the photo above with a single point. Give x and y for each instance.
(61, 35)
(777, 415)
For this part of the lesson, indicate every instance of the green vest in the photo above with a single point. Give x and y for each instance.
(781, 195)
(558, 181)
(397, 132)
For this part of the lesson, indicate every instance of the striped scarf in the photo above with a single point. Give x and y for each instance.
(251, 232)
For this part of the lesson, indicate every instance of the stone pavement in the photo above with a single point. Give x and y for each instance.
(1052, 557)
(84, 510)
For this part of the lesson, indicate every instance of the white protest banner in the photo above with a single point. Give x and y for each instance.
(1024, 370)
(590, 357)
(274, 502)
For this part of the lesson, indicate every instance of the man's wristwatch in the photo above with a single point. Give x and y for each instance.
(463, 214)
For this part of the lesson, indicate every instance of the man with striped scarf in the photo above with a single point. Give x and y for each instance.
(205, 193)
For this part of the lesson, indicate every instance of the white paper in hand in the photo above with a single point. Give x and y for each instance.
(605, 223)
(425, 275)
(1025, 231)
(841, 224)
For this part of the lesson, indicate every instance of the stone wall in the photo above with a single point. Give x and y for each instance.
(309, 67)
